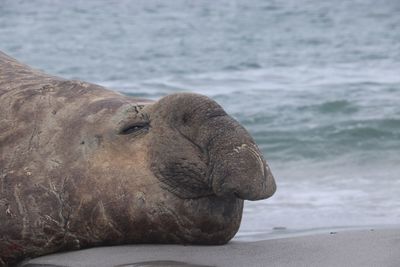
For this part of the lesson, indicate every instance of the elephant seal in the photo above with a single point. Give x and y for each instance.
(83, 166)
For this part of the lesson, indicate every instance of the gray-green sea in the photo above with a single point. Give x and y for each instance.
(317, 83)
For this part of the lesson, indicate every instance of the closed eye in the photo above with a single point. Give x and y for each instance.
(134, 128)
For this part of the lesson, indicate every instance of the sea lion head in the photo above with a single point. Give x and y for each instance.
(176, 170)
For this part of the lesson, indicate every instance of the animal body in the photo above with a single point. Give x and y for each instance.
(83, 166)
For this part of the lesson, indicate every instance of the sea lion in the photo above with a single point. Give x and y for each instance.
(84, 166)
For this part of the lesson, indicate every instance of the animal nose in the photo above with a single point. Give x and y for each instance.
(234, 164)
(245, 174)
(238, 166)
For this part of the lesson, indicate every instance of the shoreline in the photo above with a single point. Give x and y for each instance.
(283, 232)
(377, 247)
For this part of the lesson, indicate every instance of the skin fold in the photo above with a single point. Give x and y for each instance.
(83, 166)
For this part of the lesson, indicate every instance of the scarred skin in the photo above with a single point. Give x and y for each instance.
(83, 166)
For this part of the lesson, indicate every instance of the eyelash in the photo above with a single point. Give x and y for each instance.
(134, 128)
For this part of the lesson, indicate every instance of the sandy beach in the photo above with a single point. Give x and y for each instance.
(343, 248)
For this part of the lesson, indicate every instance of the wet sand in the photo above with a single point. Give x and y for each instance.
(343, 248)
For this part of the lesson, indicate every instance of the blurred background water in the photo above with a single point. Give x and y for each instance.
(317, 83)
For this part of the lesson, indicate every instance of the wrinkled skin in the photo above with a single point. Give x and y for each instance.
(83, 166)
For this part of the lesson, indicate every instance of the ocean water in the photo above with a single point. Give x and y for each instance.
(317, 83)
